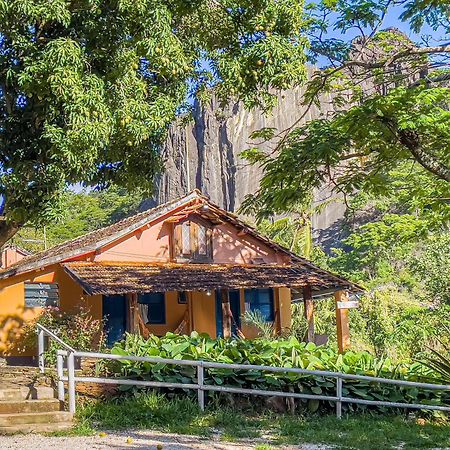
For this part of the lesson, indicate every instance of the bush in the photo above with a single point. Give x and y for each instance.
(81, 331)
(281, 353)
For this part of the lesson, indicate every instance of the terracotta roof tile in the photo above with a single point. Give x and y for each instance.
(109, 278)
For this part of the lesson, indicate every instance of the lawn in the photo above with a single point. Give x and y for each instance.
(181, 415)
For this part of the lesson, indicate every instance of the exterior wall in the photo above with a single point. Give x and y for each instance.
(147, 245)
(284, 305)
(204, 312)
(14, 314)
(229, 248)
(174, 315)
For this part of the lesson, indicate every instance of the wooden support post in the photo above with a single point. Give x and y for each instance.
(226, 312)
(133, 314)
(309, 312)
(343, 330)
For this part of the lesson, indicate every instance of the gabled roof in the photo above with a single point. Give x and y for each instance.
(97, 239)
(192, 203)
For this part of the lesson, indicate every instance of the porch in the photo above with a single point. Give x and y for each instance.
(208, 298)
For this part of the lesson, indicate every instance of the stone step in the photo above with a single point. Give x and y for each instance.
(36, 428)
(45, 418)
(10, 393)
(28, 406)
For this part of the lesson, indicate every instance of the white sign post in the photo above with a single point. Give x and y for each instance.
(348, 304)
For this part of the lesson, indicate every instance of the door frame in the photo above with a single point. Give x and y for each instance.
(125, 319)
(235, 303)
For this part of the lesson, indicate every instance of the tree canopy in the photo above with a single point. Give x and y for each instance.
(88, 88)
(391, 106)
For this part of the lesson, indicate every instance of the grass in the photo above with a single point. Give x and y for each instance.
(181, 415)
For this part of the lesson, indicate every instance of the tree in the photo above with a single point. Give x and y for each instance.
(89, 87)
(391, 106)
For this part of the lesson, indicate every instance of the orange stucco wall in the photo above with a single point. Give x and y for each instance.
(229, 247)
(174, 315)
(147, 245)
(13, 313)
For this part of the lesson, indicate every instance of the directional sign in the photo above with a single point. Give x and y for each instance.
(347, 305)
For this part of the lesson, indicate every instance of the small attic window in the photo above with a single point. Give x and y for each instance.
(192, 241)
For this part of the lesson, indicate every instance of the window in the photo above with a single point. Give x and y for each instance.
(260, 300)
(182, 297)
(193, 241)
(41, 295)
(152, 307)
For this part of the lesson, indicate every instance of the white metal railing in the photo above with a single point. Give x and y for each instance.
(201, 387)
(42, 333)
(70, 354)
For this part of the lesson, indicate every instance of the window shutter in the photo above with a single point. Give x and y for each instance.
(186, 238)
(209, 243)
(178, 240)
(194, 239)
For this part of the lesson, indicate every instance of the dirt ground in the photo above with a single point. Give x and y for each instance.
(142, 440)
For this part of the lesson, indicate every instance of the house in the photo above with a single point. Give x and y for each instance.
(182, 266)
(11, 254)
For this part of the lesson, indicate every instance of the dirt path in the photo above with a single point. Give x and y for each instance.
(141, 440)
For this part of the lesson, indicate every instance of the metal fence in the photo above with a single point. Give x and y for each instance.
(70, 354)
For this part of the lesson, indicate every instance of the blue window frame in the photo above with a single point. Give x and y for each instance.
(260, 300)
(152, 306)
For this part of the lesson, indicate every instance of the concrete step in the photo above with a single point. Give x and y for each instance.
(29, 406)
(46, 418)
(10, 393)
(36, 428)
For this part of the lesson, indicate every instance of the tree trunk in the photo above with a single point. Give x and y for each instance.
(7, 230)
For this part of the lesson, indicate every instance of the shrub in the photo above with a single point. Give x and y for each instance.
(81, 331)
(281, 353)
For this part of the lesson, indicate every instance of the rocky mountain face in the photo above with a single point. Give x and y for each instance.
(204, 154)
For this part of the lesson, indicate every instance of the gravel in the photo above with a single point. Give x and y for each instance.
(150, 440)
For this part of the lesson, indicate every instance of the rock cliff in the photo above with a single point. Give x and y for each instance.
(204, 154)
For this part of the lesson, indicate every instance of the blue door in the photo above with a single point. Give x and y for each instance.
(235, 305)
(115, 317)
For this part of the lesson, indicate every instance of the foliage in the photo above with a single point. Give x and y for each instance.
(291, 233)
(182, 415)
(81, 331)
(440, 363)
(384, 324)
(310, 157)
(88, 89)
(266, 330)
(390, 106)
(281, 353)
(431, 264)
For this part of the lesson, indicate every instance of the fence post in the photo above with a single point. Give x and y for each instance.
(60, 369)
(71, 381)
(201, 392)
(339, 396)
(41, 350)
